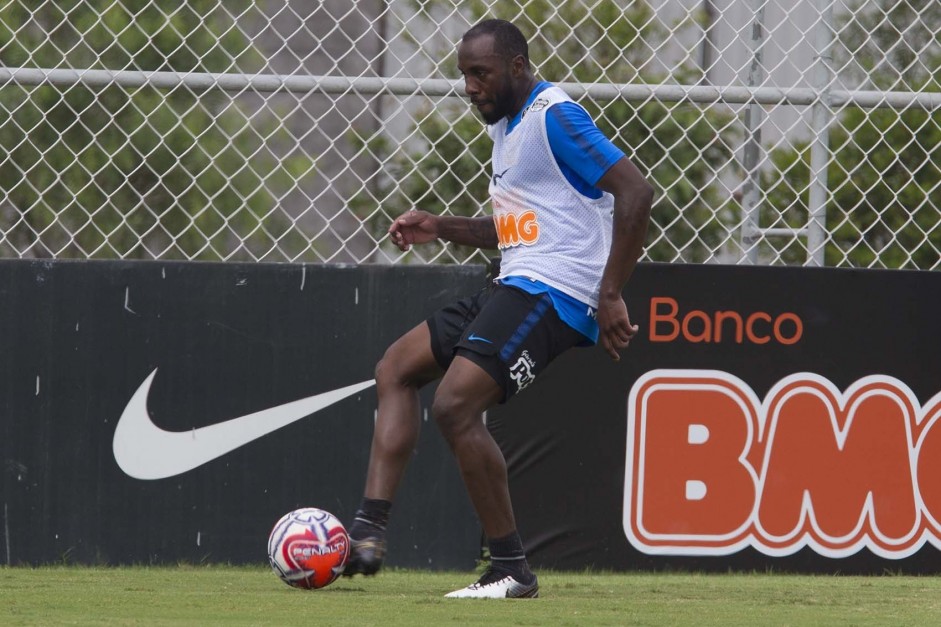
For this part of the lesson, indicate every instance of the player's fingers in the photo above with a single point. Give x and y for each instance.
(621, 334)
(409, 217)
(624, 334)
(611, 349)
(399, 222)
(398, 238)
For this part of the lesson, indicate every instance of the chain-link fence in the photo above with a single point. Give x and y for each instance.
(775, 131)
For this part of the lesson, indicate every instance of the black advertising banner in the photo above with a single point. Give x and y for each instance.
(242, 391)
(764, 418)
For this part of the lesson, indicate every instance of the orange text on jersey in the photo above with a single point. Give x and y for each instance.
(515, 229)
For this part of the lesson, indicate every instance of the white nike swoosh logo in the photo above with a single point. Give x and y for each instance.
(145, 451)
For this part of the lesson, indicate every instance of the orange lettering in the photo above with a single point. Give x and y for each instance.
(711, 469)
(528, 227)
(750, 328)
(669, 318)
(928, 469)
(513, 229)
(703, 486)
(798, 328)
(721, 316)
(705, 335)
(506, 230)
(699, 326)
(828, 470)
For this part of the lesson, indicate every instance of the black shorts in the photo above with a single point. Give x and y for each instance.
(511, 334)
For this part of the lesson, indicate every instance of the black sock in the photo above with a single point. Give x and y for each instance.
(507, 555)
(371, 519)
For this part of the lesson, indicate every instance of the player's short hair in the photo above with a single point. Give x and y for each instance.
(509, 42)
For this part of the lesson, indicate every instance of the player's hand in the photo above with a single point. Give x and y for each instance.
(413, 227)
(615, 330)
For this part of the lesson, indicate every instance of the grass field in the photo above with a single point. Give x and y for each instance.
(224, 595)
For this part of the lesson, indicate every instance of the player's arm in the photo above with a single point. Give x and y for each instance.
(633, 197)
(578, 143)
(419, 227)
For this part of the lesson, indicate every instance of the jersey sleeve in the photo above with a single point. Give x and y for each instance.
(578, 144)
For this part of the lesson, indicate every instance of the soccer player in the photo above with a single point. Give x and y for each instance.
(570, 213)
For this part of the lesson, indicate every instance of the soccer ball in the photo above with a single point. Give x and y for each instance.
(308, 548)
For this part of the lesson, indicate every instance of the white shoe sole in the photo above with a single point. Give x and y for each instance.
(506, 588)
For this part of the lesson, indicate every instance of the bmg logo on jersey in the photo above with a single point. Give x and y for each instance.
(516, 229)
(522, 371)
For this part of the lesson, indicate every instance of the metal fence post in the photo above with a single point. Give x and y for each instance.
(754, 115)
(820, 147)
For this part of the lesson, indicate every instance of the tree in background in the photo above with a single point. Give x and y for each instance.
(883, 175)
(133, 172)
(681, 148)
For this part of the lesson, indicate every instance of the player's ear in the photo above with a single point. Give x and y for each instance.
(519, 64)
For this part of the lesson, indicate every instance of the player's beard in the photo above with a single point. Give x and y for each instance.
(502, 101)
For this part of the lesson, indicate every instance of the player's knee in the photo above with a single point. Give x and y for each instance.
(385, 371)
(390, 370)
(406, 364)
(451, 414)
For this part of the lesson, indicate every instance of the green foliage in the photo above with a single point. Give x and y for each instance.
(883, 175)
(121, 172)
(682, 151)
(677, 147)
(449, 177)
(883, 211)
(895, 44)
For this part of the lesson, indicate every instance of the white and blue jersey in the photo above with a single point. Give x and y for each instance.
(553, 223)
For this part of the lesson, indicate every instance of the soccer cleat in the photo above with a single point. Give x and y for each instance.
(366, 556)
(497, 585)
